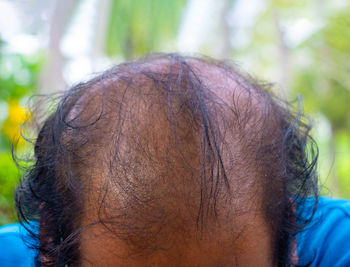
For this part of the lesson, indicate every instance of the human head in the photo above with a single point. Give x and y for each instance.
(169, 159)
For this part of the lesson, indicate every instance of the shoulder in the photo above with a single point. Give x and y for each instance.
(13, 250)
(326, 241)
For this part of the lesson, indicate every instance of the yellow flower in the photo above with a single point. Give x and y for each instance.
(16, 116)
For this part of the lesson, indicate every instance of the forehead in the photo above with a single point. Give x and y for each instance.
(251, 247)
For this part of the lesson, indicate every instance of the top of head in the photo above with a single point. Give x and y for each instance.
(174, 159)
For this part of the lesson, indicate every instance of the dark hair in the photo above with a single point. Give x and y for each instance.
(271, 142)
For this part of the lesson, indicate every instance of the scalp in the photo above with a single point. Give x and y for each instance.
(163, 152)
(169, 153)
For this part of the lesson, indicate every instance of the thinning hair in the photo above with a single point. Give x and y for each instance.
(165, 144)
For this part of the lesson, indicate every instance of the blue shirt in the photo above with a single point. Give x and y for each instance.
(13, 250)
(324, 243)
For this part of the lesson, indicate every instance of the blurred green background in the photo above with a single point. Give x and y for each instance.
(301, 46)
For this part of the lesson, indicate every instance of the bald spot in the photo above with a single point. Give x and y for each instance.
(149, 197)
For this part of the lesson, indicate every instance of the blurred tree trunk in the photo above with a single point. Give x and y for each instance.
(52, 78)
(225, 46)
(100, 32)
(205, 28)
(284, 59)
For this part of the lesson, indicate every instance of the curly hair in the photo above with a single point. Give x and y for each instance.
(166, 115)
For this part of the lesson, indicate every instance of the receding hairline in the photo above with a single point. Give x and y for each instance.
(163, 66)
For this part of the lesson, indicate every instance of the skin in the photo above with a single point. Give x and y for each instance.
(238, 235)
(251, 248)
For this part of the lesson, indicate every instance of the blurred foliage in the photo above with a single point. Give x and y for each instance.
(9, 175)
(315, 65)
(342, 163)
(18, 78)
(138, 27)
(327, 76)
(324, 82)
(18, 75)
